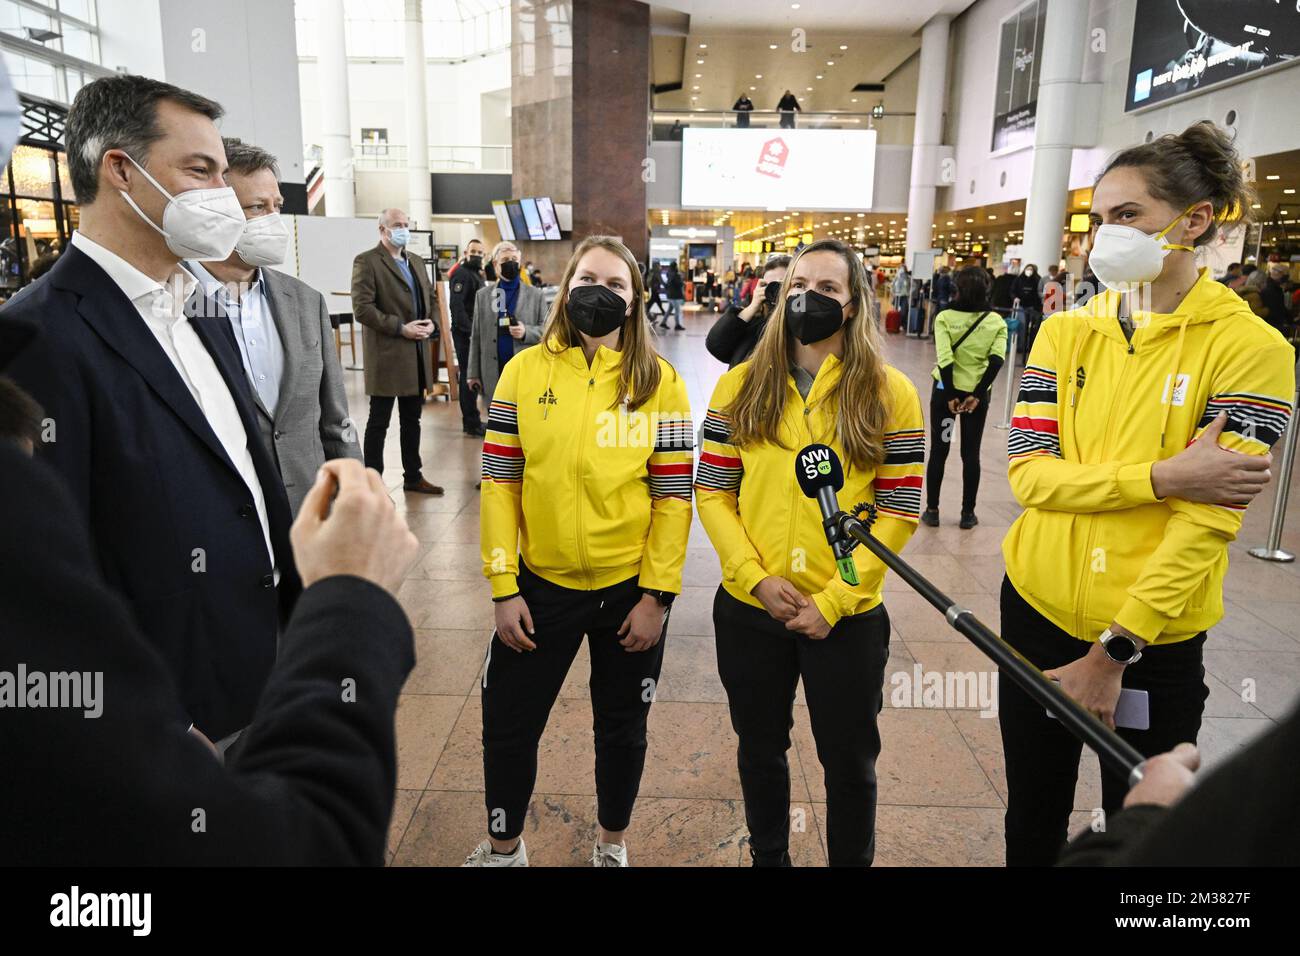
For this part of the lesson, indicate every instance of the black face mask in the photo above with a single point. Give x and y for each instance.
(596, 310)
(475, 262)
(509, 270)
(770, 292)
(817, 317)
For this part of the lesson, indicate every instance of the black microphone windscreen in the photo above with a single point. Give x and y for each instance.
(817, 466)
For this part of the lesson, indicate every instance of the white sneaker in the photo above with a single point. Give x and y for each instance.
(609, 854)
(483, 855)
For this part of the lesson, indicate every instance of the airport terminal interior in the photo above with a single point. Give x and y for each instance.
(935, 140)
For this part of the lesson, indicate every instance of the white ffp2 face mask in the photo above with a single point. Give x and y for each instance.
(1124, 258)
(265, 241)
(200, 224)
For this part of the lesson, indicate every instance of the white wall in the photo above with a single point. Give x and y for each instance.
(241, 53)
(455, 95)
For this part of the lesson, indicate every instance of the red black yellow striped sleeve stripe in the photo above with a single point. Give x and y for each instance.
(897, 484)
(503, 457)
(672, 461)
(1034, 422)
(720, 467)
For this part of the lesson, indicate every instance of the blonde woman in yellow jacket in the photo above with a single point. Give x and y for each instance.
(1142, 431)
(585, 515)
(782, 612)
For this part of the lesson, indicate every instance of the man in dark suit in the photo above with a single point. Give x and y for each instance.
(280, 326)
(152, 428)
(393, 299)
(464, 283)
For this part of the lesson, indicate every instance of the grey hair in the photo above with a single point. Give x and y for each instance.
(246, 159)
(120, 112)
(501, 247)
(385, 215)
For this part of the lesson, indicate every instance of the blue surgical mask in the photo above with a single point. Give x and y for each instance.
(399, 236)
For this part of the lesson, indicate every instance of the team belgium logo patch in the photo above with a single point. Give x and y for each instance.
(547, 398)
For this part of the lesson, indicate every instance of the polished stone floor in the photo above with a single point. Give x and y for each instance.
(942, 783)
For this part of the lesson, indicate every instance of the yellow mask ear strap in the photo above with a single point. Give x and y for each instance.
(1164, 231)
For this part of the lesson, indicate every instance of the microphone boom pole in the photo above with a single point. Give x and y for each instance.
(1117, 753)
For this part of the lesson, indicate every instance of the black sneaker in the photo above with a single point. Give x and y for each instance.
(775, 860)
(968, 520)
(930, 516)
(477, 431)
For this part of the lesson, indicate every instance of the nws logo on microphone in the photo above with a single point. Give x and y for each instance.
(816, 462)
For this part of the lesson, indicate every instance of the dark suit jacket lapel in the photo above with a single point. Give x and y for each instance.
(288, 323)
(115, 320)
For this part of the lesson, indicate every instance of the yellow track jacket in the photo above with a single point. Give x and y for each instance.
(758, 519)
(591, 493)
(1094, 544)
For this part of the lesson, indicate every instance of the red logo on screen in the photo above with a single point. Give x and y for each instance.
(772, 157)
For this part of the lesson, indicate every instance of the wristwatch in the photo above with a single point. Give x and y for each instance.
(1121, 649)
(665, 598)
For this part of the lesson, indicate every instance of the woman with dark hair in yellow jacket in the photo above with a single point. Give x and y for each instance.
(783, 613)
(585, 515)
(1141, 432)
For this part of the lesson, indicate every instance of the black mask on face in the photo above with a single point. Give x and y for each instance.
(475, 262)
(770, 292)
(509, 270)
(596, 310)
(814, 318)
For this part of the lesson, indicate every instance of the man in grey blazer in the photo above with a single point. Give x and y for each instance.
(281, 328)
(509, 315)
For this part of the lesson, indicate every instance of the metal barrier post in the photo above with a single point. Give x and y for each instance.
(1273, 551)
(1011, 381)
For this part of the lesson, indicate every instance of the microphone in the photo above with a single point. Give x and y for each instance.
(820, 475)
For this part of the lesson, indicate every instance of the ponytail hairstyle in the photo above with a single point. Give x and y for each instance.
(639, 371)
(1200, 163)
(858, 399)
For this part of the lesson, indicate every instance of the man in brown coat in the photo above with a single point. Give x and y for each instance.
(393, 299)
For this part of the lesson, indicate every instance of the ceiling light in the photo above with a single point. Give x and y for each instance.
(701, 62)
(830, 62)
(1275, 176)
(970, 220)
(1018, 213)
(771, 46)
(758, 76)
(699, 75)
(704, 46)
(810, 89)
(991, 218)
(819, 76)
(753, 87)
(1289, 192)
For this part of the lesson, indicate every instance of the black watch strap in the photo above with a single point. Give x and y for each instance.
(665, 598)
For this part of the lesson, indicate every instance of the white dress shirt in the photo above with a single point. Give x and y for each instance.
(163, 312)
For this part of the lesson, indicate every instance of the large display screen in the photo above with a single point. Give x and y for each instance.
(532, 218)
(1016, 103)
(1181, 47)
(504, 225)
(517, 220)
(778, 169)
(550, 223)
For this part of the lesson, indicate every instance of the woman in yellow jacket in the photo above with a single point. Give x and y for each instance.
(1142, 431)
(585, 515)
(782, 612)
